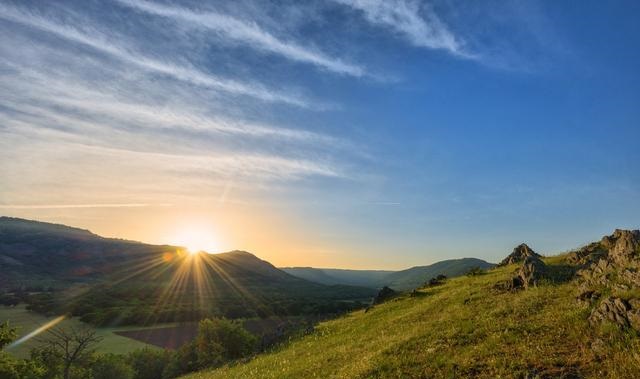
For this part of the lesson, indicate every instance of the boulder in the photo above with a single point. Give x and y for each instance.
(519, 254)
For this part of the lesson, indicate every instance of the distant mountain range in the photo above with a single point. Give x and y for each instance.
(58, 268)
(399, 280)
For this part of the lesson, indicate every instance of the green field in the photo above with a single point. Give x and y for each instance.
(26, 321)
(463, 328)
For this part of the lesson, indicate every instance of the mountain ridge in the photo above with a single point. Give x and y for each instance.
(106, 281)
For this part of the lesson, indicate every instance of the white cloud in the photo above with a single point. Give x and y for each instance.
(248, 33)
(53, 99)
(415, 21)
(99, 42)
(112, 123)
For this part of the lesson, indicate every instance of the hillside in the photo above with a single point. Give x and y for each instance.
(473, 327)
(417, 276)
(36, 254)
(109, 281)
(400, 280)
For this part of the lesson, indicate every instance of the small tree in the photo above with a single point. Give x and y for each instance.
(221, 340)
(73, 345)
(7, 334)
(8, 365)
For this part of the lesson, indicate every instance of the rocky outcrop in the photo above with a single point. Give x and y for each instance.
(625, 313)
(532, 271)
(620, 248)
(617, 254)
(587, 254)
(529, 274)
(519, 254)
(611, 266)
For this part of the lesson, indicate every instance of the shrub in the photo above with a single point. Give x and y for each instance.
(221, 340)
(475, 271)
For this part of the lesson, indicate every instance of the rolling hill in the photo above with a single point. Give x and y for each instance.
(400, 280)
(575, 315)
(416, 276)
(110, 281)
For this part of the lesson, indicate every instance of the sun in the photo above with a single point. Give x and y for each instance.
(196, 238)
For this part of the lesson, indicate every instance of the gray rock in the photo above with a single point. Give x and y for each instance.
(532, 270)
(528, 274)
(519, 254)
(611, 309)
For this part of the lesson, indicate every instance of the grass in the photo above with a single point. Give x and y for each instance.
(463, 328)
(26, 321)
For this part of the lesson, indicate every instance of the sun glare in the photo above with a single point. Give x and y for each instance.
(196, 239)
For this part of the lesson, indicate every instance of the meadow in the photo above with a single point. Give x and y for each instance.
(464, 328)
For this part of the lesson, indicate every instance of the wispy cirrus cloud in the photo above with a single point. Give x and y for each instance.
(413, 20)
(248, 33)
(55, 99)
(94, 39)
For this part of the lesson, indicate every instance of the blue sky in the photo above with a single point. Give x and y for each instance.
(346, 133)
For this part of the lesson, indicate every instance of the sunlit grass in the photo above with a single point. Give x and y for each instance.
(461, 329)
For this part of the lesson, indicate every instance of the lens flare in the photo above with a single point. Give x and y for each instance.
(41, 329)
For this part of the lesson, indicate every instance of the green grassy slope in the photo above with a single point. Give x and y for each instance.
(463, 328)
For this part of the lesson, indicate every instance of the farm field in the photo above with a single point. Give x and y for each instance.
(26, 321)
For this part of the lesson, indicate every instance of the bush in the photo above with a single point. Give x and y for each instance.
(182, 361)
(221, 340)
(7, 334)
(475, 271)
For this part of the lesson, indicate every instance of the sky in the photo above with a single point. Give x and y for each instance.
(338, 133)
